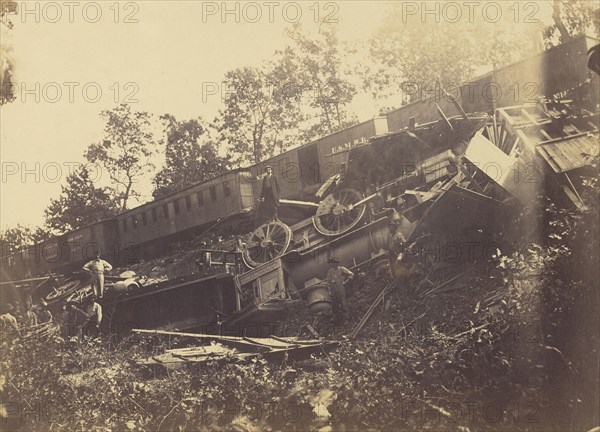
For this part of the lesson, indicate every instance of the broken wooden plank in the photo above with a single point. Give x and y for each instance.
(271, 343)
(436, 289)
(234, 341)
(370, 311)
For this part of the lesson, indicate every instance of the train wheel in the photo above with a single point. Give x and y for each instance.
(64, 290)
(336, 213)
(267, 242)
(80, 295)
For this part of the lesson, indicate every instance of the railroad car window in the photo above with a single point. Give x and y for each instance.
(166, 211)
(213, 193)
(144, 219)
(188, 203)
(285, 166)
(154, 215)
(200, 199)
(226, 189)
(125, 224)
(176, 206)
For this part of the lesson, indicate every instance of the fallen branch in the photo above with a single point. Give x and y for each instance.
(20, 394)
(412, 322)
(472, 330)
(144, 409)
(437, 289)
(370, 311)
(169, 413)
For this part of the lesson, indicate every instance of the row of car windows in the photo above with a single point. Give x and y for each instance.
(133, 220)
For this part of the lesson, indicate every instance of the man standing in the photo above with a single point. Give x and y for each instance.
(396, 246)
(269, 195)
(94, 312)
(30, 316)
(96, 268)
(336, 277)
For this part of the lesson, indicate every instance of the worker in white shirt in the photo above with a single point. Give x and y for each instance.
(8, 321)
(96, 268)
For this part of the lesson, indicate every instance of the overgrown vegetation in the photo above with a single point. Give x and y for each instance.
(491, 350)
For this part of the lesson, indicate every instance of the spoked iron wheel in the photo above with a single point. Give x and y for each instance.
(267, 242)
(336, 213)
(80, 295)
(64, 290)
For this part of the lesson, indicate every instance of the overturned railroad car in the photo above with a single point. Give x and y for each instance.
(145, 230)
(64, 253)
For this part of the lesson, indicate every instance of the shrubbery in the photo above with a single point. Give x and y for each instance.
(453, 361)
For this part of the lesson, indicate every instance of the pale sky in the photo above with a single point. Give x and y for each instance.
(159, 64)
(176, 49)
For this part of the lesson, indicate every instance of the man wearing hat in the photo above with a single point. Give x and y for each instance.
(396, 244)
(43, 313)
(336, 277)
(269, 195)
(96, 269)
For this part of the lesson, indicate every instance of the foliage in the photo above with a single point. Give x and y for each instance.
(125, 151)
(81, 203)
(187, 160)
(303, 93)
(464, 355)
(317, 67)
(6, 60)
(16, 238)
(412, 55)
(259, 112)
(572, 18)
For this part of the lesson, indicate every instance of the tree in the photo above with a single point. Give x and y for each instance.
(15, 239)
(412, 55)
(318, 70)
(81, 203)
(260, 112)
(125, 151)
(571, 18)
(187, 161)
(41, 234)
(7, 94)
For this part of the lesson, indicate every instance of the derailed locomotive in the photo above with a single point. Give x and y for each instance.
(228, 199)
(422, 172)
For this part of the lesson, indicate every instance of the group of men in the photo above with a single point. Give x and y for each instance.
(89, 312)
(33, 316)
(77, 318)
(81, 318)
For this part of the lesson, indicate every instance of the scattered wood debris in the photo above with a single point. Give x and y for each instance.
(235, 349)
